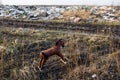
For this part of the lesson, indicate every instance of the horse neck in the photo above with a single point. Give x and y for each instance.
(58, 46)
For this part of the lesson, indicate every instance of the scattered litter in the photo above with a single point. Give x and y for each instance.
(94, 75)
(50, 13)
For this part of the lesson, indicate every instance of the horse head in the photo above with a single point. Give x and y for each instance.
(60, 42)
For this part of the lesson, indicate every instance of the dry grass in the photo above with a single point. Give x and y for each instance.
(78, 13)
(89, 55)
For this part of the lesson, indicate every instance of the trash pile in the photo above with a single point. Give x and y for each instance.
(64, 13)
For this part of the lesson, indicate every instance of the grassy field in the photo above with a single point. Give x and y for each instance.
(91, 56)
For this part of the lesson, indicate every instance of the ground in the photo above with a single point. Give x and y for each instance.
(92, 56)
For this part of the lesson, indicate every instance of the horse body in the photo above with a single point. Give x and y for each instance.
(54, 50)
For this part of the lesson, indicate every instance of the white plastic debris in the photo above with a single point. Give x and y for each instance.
(94, 75)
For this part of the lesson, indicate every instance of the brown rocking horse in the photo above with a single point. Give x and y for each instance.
(54, 50)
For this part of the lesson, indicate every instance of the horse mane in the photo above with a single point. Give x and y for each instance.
(58, 41)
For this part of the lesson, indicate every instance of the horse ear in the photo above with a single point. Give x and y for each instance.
(62, 40)
(57, 42)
